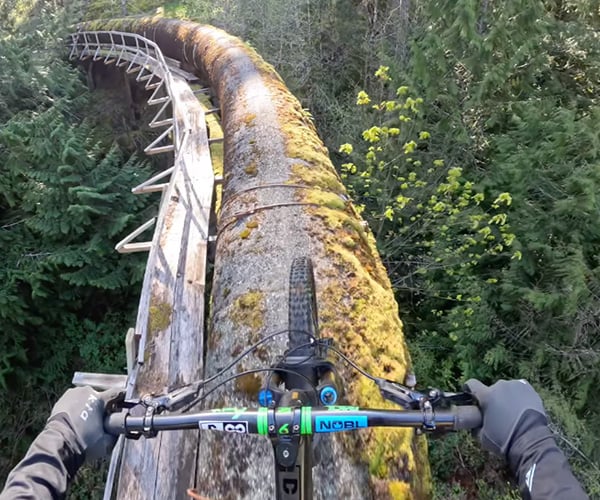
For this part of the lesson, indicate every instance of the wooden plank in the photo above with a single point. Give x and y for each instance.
(171, 314)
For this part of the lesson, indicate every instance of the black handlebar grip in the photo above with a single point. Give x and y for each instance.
(467, 417)
(115, 423)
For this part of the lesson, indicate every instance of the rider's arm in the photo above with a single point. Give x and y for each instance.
(515, 427)
(74, 432)
(49, 465)
(540, 466)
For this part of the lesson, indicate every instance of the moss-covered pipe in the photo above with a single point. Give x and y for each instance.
(283, 198)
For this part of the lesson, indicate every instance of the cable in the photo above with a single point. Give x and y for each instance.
(352, 363)
(302, 361)
(202, 382)
(253, 347)
(314, 342)
(237, 375)
(244, 354)
(199, 384)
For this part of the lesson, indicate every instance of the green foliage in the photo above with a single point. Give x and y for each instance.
(444, 243)
(489, 284)
(67, 297)
(513, 101)
(66, 203)
(462, 471)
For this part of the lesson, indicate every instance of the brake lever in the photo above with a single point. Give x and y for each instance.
(408, 399)
(458, 398)
(411, 399)
(171, 401)
(174, 400)
(118, 403)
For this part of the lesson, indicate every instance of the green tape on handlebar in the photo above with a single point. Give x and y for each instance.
(305, 420)
(262, 425)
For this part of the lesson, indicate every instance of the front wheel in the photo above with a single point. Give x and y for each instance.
(303, 327)
(302, 316)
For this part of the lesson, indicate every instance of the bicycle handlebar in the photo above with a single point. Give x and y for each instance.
(304, 420)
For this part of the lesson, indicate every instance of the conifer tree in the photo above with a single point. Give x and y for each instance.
(66, 297)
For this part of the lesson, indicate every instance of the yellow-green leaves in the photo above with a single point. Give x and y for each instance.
(425, 212)
(409, 147)
(402, 201)
(362, 99)
(349, 168)
(503, 198)
(373, 134)
(389, 213)
(498, 219)
(383, 73)
(346, 148)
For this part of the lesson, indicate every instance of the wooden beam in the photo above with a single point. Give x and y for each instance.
(141, 246)
(171, 314)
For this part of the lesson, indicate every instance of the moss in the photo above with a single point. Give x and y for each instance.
(375, 463)
(249, 119)
(363, 331)
(249, 310)
(324, 198)
(251, 169)
(159, 317)
(366, 334)
(400, 490)
(422, 481)
(249, 384)
(323, 178)
(349, 242)
(360, 329)
(247, 231)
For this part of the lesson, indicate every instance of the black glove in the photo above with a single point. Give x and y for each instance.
(82, 408)
(510, 409)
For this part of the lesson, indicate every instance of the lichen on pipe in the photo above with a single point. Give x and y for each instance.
(283, 198)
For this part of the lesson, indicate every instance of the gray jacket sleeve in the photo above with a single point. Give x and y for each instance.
(49, 465)
(541, 467)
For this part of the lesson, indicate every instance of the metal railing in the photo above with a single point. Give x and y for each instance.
(144, 57)
(140, 55)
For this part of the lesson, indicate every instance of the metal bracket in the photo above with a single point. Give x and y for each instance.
(154, 149)
(148, 186)
(124, 246)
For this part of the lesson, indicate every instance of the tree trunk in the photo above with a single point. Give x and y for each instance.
(282, 198)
